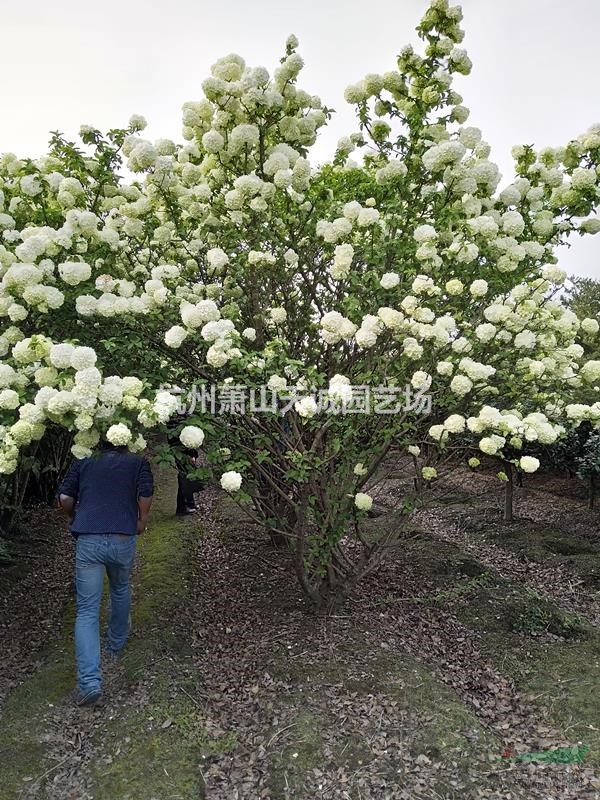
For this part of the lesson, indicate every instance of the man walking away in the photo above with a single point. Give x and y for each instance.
(107, 498)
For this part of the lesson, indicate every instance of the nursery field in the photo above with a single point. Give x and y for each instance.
(475, 645)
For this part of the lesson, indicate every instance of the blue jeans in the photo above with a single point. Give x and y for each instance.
(96, 553)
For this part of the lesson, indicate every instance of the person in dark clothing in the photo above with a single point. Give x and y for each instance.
(186, 486)
(107, 498)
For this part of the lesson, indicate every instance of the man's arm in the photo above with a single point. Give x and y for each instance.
(68, 491)
(144, 504)
(145, 491)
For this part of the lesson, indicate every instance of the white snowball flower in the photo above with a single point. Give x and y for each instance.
(445, 368)
(278, 315)
(340, 390)
(74, 272)
(529, 463)
(175, 336)
(217, 258)
(590, 371)
(479, 288)
(590, 326)
(362, 501)
(454, 287)
(191, 436)
(213, 142)
(421, 380)
(491, 444)
(61, 354)
(461, 385)
(455, 423)
(307, 407)
(342, 261)
(335, 327)
(118, 434)
(250, 334)
(231, 481)
(525, 340)
(390, 317)
(9, 399)
(389, 280)
(276, 383)
(437, 432)
(165, 405)
(82, 358)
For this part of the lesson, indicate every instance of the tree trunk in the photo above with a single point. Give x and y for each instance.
(507, 515)
(591, 491)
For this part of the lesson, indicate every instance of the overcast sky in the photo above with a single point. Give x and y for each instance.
(534, 80)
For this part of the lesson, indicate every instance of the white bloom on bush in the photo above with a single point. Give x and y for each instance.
(340, 389)
(278, 315)
(421, 380)
(475, 370)
(231, 481)
(371, 326)
(165, 405)
(461, 385)
(529, 463)
(590, 225)
(342, 261)
(491, 444)
(138, 444)
(437, 432)
(455, 423)
(61, 354)
(479, 288)
(276, 383)
(82, 358)
(363, 501)
(217, 329)
(307, 407)
(583, 178)
(335, 327)
(590, 326)
(554, 274)
(9, 399)
(414, 450)
(118, 434)
(525, 340)
(429, 473)
(74, 272)
(132, 385)
(250, 334)
(367, 217)
(390, 317)
(485, 332)
(411, 348)
(7, 375)
(195, 315)
(175, 336)
(389, 280)
(454, 287)
(445, 368)
(590, 371)
(191, 436)
(46, 376)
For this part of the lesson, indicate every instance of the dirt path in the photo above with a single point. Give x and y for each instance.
(231, 690)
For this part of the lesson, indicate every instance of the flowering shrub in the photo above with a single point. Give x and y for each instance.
(229, 260)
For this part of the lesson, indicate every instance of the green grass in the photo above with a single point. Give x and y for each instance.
(561, 676)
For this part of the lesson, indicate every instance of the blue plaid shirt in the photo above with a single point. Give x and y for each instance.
(106, 488)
